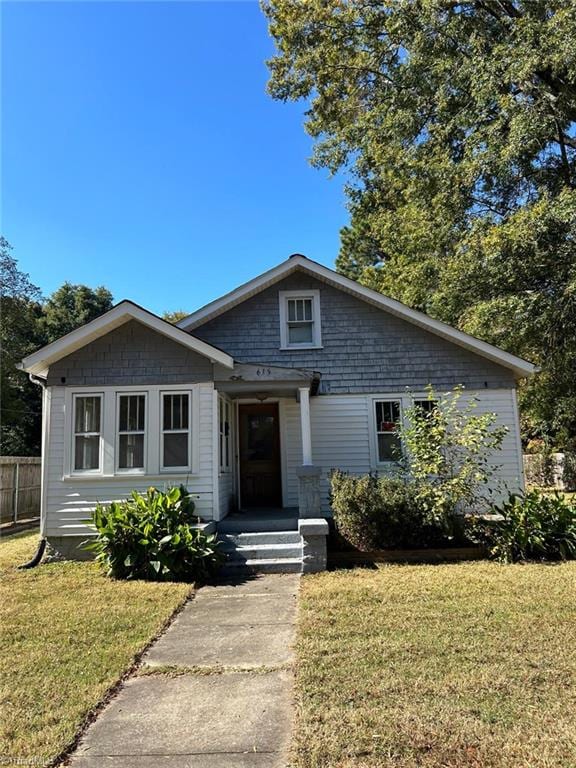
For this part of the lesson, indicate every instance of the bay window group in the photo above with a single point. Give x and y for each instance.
(147, 432)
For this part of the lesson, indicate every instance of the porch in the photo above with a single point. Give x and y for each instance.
(269, 489)
(264, 440)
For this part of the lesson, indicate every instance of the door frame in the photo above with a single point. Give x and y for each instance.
(281, 432)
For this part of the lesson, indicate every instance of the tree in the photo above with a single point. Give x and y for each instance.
(72, 306)
(450, 450)
(457, 123)
(20, 400)
(175, 316)
(25, 325)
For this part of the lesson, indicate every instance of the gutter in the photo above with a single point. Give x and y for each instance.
(39, 554)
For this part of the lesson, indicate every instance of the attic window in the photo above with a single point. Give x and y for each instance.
(300, 319)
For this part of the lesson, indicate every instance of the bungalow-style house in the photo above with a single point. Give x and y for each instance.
(250, 402)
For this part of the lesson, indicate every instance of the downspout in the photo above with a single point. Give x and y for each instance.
(39, 554)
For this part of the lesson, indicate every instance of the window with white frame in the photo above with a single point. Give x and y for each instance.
(387, 414)
(224, 420)
(175, 443)
(299, 319)
(87, 433)
(428, 406)
(131, 432)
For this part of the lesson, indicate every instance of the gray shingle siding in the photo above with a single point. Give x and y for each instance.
(133, 355)
(365, 349)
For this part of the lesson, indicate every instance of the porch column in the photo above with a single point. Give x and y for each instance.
(308, 474)
(305, 426)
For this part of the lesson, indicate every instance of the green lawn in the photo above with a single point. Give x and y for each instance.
(469, 665)
(68, 634)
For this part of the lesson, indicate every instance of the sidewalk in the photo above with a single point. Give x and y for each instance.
(214, 691)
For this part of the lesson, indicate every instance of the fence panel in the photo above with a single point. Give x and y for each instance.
(20, 479)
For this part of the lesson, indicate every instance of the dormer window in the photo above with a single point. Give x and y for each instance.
(300, 319)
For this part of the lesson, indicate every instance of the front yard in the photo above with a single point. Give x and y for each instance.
(469, 665)
(68, 634)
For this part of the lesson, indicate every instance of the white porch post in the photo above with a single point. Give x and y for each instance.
(305, 426)
(312, 528)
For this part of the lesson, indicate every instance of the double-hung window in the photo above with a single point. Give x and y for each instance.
(387, 415)
(87, 433)
(224, 410)
(176, 443)
(427, 406)
(131, 432)
(299, 319)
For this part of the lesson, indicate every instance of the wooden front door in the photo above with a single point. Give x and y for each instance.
(259, 435)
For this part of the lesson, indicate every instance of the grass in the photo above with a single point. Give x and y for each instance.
(468, 665)
(68, 634)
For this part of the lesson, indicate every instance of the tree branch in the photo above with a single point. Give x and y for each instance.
(563, 153)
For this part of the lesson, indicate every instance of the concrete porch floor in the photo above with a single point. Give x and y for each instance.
(281, 519)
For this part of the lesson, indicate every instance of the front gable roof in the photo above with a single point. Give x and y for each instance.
(519, 366)
(39, 362)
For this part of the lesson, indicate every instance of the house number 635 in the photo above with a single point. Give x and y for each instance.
(263, 372)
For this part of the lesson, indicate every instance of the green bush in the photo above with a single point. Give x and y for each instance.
(450, 451)
(569, 474)
(380, 512)
(530, 526)
(152, 537)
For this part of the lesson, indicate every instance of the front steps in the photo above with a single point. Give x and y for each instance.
(262, 544)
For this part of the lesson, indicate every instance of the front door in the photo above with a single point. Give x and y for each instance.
(259, 435)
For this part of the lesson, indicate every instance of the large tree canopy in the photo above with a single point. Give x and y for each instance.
(19, 401)
(456, 121)
(25, 325)
(72, 306)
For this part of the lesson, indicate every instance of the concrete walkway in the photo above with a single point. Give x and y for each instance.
(227, 700)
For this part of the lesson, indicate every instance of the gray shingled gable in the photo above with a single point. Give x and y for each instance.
(131, 354)
(365, 348)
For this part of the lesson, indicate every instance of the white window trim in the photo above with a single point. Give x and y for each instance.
(406, 399)
(108, 434)
(389, 463)
(187, 467)
(137, 470)
(72, 434)
(316, 326)
(226, 404)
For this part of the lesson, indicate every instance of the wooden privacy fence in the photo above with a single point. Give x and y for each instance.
(19, 488)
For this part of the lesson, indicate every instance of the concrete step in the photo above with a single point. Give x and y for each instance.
(276, 565)
(260, 537)
(241, 524)
(262, 551)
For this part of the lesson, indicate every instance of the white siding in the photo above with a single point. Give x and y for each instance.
(226, 492)
(69, 501)
(342, 438)
(510, 475)
(291, 450)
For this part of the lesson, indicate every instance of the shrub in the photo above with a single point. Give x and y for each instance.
(152, 537)
(449, 452)
(529, 526)
(379, 512)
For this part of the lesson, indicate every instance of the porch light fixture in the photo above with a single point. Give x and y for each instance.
(261, 396)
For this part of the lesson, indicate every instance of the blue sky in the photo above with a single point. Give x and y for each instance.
(140, 151)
